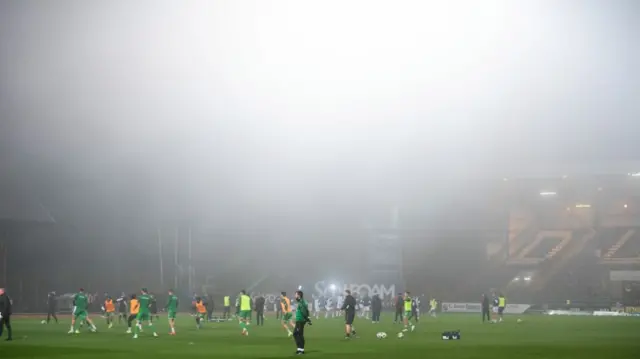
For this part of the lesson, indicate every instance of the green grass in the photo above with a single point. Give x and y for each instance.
(535, 337)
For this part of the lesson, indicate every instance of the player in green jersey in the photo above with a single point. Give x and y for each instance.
(245, 312)
(80, 303)
(172, 309)
(144, 314)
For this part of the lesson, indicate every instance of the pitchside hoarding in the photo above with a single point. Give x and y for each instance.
(328, 289)
(448, 307)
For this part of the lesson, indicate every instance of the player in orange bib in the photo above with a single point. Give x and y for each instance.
(201, 312)
(109, 310)
(134, 309)
(287, 315)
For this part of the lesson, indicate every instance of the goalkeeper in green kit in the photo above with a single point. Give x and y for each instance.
(172, 309)
(144, 314)
(302, 319)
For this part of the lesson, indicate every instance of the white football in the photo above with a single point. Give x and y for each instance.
(381, 335)
(400, 335)
(519, 320)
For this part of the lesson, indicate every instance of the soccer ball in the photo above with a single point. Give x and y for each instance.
(381, 335)
(519, 320)
(43, 322)
(400, 335)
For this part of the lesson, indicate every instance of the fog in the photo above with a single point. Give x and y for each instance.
(289, 126)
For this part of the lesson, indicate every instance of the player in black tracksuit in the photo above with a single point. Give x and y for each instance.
(399, 309)
(259, 308)
(486, 310)
(5, 313)
(51, 307)
(376, 308)
(153, 308)
(349, 308)
(122, 308)
(209, 303)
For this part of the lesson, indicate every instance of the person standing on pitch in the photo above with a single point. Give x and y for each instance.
(302, 318)
(210, 306)
(433, 307)
(80, 313)
(5, 314)
(408, 311)
(486, 311)
(122, 308)
(502, 303)
(287, 319)
(244, 312)
(201, 312)
(258, 306)
(172, 309)
(143, 313)
(226, 314)
(376, 308)
(51, 307)
(349, 308)
(279, 313)
(399, 303)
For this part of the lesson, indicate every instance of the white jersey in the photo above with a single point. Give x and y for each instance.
(340, 302)
(316, 304)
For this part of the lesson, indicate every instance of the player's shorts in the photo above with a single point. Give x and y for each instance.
(500, 310)
(154, 311)
(171, 314)
(287, 316)
(366, 308)
(329, 309)
(227, 309)
(110, 314)
(80, 314)
(201, 315)
(142, 316)
(245, 314)
(349, 317)
(495, 309)
(408, 314)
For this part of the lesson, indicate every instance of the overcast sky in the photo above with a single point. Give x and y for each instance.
(182, 108)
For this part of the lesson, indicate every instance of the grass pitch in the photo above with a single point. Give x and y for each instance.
(535, 337)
